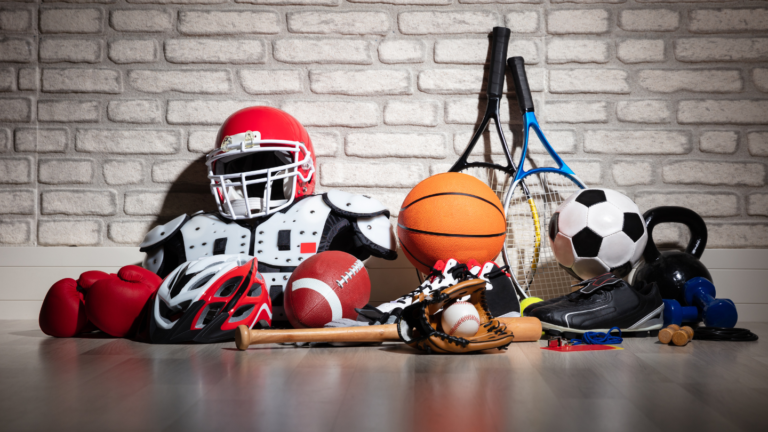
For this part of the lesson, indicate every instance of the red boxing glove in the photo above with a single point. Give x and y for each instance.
(115, 304)
(90, 277)
(63, 312)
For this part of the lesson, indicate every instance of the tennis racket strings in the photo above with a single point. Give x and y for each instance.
(496, 179)
(528, 243)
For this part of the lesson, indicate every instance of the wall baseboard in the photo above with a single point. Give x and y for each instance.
(28, 272)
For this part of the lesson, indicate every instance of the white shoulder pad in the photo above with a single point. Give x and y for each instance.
(162, 232)
(378, 230)
(348, 204)
(207, 235)
(288, 238)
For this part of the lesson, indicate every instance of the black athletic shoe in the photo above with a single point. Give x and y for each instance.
(531, 307)
(604, 302)
(500, 293)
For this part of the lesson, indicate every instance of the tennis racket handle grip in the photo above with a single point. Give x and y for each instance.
(499, 44)
(523, 91)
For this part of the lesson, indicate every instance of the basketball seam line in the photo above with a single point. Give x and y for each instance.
(413, 256)
(452, 235)
(453, 193)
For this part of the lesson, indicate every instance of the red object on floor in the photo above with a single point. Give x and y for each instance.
(576, 348)
(115, 303)
(63, 311)
(326, 287)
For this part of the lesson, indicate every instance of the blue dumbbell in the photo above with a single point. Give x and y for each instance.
(700, 293)
(676, 314)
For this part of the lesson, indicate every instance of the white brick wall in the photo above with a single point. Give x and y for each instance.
(54, 50)
(640, 51)
(133, 51)
(361, 83)
(233, 51)
(107, 107)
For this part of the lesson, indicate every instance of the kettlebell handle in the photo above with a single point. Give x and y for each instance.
(672, 214)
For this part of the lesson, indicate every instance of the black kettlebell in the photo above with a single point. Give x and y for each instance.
(670, 270)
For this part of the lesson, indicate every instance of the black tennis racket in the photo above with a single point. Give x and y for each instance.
(535, 195)
(498, 177)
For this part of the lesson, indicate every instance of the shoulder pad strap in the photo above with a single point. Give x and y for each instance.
(377, 235)
(350, 205)
(161, 233)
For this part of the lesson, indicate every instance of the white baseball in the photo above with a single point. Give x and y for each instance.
(461, 319)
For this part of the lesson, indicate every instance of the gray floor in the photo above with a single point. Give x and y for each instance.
(114, 384)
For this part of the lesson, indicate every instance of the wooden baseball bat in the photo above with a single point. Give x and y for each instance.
(525, 329)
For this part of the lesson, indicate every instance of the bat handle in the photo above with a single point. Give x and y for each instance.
(375, 333)
(242, 337)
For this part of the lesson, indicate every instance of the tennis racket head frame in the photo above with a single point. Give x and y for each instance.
(539, 218)
(494, 92)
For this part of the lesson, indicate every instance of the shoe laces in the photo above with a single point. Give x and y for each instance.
(493, 271)
(426, 285)
(497, 271)
(452, 273)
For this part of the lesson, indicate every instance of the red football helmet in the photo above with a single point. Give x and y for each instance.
(262, 162)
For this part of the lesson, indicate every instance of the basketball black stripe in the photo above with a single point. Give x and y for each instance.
(453, 193)
(450, 235)
(414, 256)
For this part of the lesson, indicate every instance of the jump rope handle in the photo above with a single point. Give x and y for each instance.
(499, 44)
(523, 91)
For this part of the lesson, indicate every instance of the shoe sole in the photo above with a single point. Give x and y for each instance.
(648, 326)
(569, 333)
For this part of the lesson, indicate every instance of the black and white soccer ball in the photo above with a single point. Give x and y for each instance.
(596, 231)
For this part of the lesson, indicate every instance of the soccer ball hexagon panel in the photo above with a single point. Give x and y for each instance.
(596, 231)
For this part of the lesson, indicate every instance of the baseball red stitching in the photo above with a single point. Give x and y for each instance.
(462, 320)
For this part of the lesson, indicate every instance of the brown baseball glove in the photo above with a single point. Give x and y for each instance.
(420, 323)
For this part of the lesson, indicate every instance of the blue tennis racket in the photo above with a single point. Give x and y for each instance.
(535, 194)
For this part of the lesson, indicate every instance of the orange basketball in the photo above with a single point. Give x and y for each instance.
(451, 215)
